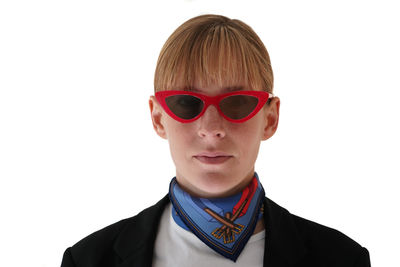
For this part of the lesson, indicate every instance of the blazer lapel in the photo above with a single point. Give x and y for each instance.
(135, 243)
(283, 244)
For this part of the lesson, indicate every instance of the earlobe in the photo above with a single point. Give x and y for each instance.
(272, 118)
(156, 117)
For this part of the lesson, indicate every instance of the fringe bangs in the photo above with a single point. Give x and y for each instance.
(215, 53)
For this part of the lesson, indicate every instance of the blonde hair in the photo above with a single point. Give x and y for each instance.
(213, 49)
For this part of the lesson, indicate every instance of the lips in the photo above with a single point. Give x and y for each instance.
(213, 157)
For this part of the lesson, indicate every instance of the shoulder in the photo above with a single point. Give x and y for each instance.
(321, 235)
(331, 245)
(109, 244)
(318, 243)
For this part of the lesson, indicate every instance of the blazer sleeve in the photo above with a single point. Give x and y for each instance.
(67, 260)
(363, 259)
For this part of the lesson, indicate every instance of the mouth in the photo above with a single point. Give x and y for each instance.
(213, 157)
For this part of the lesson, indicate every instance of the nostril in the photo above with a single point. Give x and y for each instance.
(211, 132)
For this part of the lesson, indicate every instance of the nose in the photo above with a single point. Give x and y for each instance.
(211, 124)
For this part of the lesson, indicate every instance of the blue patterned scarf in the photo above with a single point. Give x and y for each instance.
(223, 224)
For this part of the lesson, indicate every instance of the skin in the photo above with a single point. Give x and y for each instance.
(211, 133)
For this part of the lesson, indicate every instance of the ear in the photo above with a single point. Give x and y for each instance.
(157, 117)
(271, 112)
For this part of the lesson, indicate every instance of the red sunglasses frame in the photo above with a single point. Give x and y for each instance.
(262, 97)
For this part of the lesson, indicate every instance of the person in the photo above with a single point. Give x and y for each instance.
(214, 104)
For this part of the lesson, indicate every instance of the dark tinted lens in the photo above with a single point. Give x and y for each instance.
(185, 106)
(238, 106)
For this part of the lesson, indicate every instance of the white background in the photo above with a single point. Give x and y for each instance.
(77, 148)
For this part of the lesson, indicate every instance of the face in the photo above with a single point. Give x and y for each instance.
(213, 156)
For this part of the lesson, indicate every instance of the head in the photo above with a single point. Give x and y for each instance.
(213, 55)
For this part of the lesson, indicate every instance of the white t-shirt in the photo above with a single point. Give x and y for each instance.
(176, 247)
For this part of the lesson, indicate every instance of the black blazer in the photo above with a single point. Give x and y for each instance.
(289, 241)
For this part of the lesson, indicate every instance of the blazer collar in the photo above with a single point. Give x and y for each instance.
(135, 243)
(283, 243)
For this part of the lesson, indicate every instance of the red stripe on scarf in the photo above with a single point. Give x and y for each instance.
(248, 194)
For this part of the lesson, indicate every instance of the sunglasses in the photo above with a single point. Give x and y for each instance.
(186, 106)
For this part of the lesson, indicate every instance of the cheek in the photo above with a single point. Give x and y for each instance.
(250, 130)
(249, 137)
(178, 138)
